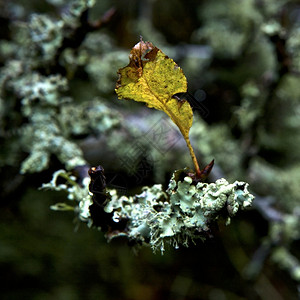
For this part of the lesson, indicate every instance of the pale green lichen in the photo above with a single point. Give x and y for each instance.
(48, 116)
(102, 69)
(287, 262)
(37, 41)
(271, 8)
(52, 117)
(47, 140)
(227, 25)
(283, 182)
(45, 35)
(182, 213)
(76, 8)
(287, 230)
(49, 134)
(293, 46)
(43, 136)
(78, 193)
(37, 88)
(93, 115)
(217, 142)
(272, 27)
(251, 105)
(283, 134)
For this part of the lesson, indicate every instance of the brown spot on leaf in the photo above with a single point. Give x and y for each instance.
(152, 54)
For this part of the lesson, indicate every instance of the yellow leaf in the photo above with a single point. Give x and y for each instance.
(153, 78)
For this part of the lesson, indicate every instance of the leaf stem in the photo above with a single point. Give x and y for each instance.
(197, 169)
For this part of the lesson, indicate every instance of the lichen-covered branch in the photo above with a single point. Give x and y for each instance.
(176, 216)
(40, 117)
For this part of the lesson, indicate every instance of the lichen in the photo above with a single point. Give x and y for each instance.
(77, 193)
(283, 182)
(217, 142)
(76, 8)
(102, 69)
(251, 105)
(227, 25)
(40, 113)
(182, 213)
(57, 74)
(282, 234)
(45, 35)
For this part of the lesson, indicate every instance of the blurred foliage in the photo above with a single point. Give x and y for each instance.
(58, 63)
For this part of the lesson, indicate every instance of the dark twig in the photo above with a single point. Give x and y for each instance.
(79, 33)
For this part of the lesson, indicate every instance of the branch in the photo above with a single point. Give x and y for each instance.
(79, 33)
